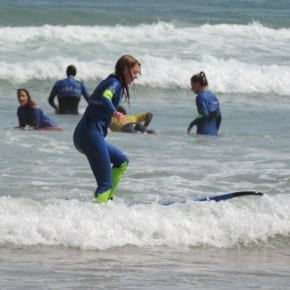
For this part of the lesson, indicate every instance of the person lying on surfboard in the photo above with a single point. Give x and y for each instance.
(132, 123)
(30, 115)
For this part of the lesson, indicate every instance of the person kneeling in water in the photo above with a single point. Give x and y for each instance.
(132, 123)
(30, 115)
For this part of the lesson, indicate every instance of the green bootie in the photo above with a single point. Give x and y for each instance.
(103, 197)
(117, 173)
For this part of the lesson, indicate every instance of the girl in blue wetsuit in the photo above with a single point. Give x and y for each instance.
(209, 119)
(30, 115)
(89, 135)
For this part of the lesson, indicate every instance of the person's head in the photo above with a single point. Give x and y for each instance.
(127, 69)
(71, 70)
(198, 82)
(121, 110)
(24, 98)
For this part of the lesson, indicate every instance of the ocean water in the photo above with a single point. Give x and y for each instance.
(53, 237)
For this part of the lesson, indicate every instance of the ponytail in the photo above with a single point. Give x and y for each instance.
(200, 78)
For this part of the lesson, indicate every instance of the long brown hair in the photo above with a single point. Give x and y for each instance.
(125, 61)
(30, 103)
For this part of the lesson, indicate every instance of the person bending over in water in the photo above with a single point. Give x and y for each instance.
(132, 123)
(30, 115)
(209, 119)
(89, 135)
(68, 92)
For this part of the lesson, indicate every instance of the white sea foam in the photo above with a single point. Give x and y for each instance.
(237, 58)
(227, 76)
(90, 226)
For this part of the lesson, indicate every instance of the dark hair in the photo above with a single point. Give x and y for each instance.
(31, 103)
(71, 70)
(121, 110)
(200, 78)
(125, 62)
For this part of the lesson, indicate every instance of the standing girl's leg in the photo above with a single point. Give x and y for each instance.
(120, 163)
(96, 150)
(100, 156)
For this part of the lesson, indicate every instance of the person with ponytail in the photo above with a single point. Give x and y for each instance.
(30, 116)
(209, 115)
(107, 162)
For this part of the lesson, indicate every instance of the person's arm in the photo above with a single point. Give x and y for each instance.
(85, 92)
(112, 93)
(119, 116)
(51, 97)
(148, 119)
(218, 120)
(21, 122)
(107, 101)
(142, 121)
(202, 107)
(36, 120)
(193, 123)
(144, 118)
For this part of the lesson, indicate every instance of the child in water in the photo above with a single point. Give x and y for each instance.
(29, 115)
(209, 119)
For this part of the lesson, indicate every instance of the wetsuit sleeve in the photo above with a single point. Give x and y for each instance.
(132, 119)
(148, 119)
(195, 122)
(85, 93)
(36, 118)
(108, 95)
(52, 95)
(218, 120)
(111, 95)
(201, 106)
(21, 121)
(140, 117)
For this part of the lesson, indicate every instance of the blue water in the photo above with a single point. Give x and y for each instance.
(53, 237)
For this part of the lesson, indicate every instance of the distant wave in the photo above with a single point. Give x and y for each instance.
(157, 32)
(226, 76)
(237, 58)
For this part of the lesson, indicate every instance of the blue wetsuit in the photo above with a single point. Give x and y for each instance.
(33, 117)
(209, 119)
(92, 129)
(68, 92)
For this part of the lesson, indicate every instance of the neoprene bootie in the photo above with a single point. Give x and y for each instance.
(103, 197)
(117, 173)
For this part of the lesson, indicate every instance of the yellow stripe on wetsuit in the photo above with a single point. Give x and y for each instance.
(108, 94)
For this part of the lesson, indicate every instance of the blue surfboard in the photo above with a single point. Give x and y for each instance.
(219, 197)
